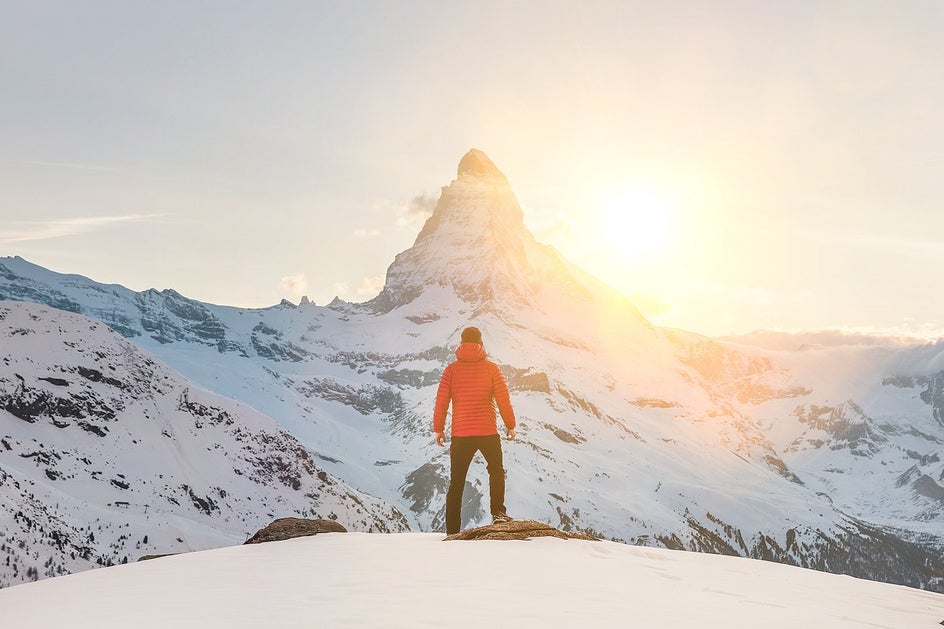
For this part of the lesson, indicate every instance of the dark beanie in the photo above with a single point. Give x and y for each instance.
(471, 335)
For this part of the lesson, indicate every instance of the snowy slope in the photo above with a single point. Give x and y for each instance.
(635, 433)
(870, 434)
(107, 455)
(416, 580)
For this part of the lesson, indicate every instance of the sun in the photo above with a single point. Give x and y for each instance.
(634, 221)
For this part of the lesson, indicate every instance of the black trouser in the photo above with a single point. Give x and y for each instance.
(461, 452)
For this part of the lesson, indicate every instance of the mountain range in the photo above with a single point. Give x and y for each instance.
(191, 423)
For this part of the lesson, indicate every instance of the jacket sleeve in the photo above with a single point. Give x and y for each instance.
(502, 399)
(443, 397)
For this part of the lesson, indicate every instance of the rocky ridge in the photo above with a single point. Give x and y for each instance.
(106, 454)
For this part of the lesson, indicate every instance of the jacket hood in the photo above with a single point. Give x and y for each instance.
(470, 352)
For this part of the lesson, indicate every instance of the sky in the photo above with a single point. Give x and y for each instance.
(731, 166)
(362, 580)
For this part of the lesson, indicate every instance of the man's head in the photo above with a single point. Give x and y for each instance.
(472, 335)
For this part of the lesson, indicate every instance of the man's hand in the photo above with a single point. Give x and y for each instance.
(512, 434)
(440, 438)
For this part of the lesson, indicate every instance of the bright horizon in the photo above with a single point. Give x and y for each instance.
(749, 167)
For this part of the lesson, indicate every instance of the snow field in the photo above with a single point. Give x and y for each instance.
(416, 580)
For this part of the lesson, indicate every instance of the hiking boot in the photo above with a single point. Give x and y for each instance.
(499, 518)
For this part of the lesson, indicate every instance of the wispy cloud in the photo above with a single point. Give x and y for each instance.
(370, 286)
(25, 231)
(415, 211)
(795, 339)
(296, 284)
(422, 205)
(72, 165)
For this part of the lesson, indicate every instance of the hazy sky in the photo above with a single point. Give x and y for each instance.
(760, 164)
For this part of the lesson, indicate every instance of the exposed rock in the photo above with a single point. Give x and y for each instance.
(526, 379)
(423, 483)
(149, 557)
(927, 487)
(287, 528)
(517, 529)
(475, 163)
(365, 399)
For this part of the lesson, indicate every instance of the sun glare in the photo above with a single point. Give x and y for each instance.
(635, 222)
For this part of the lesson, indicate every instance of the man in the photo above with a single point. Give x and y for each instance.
(474, 385)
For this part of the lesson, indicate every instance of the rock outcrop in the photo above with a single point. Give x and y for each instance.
(150, 557)
(287, 528)
(517, 529)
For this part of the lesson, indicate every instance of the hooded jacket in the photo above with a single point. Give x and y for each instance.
(474, 385)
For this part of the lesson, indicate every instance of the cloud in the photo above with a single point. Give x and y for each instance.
(908, 333)
(415, 212)
(370, 286)
(23, 231)
(422, 205)
(295, 285)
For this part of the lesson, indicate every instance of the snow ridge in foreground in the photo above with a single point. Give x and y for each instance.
(416, 580)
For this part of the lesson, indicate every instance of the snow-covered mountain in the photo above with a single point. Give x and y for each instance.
(824, 457)
(360, 581)
(107, 455)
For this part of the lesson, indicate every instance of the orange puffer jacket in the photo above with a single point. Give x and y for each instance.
(474, 385)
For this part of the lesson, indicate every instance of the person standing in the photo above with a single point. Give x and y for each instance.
(474, 385)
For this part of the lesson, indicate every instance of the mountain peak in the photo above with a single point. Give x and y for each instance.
(476, 244)
(475, 163)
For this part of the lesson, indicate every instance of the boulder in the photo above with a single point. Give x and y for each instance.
(517, 529)
(287, 528)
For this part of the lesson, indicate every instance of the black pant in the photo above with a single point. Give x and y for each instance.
(461, 452)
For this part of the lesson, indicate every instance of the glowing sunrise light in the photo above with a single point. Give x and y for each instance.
(635, 221)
